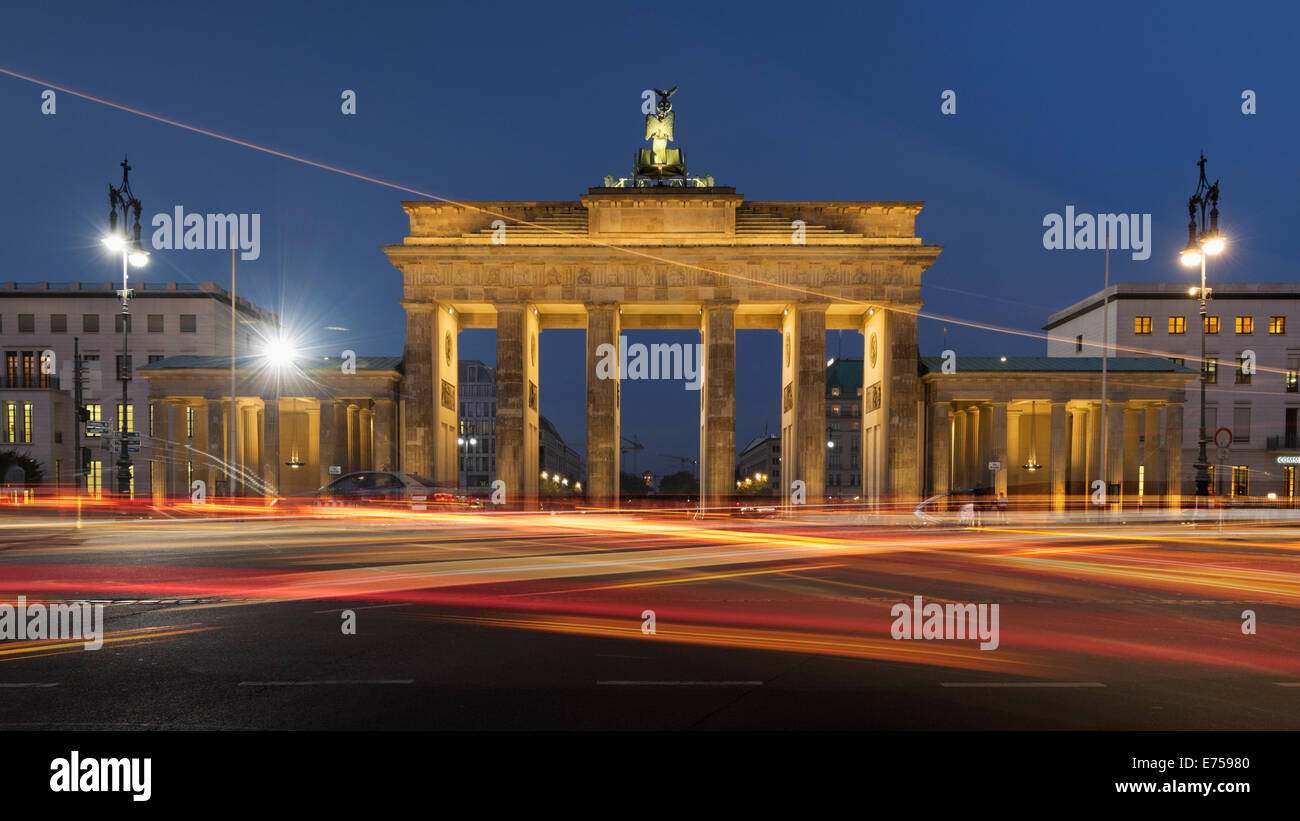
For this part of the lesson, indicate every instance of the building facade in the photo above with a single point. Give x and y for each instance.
(295, 426)
(1033, 428)
(38, 325)
(1244, 323)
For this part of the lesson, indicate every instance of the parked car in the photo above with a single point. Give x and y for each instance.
(379, 486)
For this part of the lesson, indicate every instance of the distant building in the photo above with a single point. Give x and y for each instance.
(1032, 427)
(844, 429)
(37, 413)
(1260, 410)
(477, 430)
(477, 433)
(762, 456)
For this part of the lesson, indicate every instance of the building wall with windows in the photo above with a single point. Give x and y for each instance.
(40, 320)
(1260, 410)
(477, 433)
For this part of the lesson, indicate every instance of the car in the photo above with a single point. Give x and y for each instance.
(381, 487)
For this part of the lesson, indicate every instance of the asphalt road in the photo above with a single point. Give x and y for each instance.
(537, 622)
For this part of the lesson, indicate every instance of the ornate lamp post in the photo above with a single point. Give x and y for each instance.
(133, 253)
(1202, 243)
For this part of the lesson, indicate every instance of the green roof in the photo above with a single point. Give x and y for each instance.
(304, 363)
(845, 374)
(1056, 364)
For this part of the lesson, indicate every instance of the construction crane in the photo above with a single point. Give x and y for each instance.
(631, 444)
(685, 460)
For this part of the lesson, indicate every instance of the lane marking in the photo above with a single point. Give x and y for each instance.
(367, 607)
(679, 683)
(29, 684)
(1287, 683)
(334, 681)
(1055, 684)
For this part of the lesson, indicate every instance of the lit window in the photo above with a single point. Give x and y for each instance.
(1277, 324)
(1245, 325)
(127, 413)
(1240, 480)
(1177, 324)
(1141, 324)
(1211, 324)
(94, 411)
(27, 421)
(189, 423)
(95, 478)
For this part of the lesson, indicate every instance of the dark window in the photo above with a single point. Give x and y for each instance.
(1293, 373)
(58, 323)
(119, 320)
(188, 324)
(156, 357)
(11, 369)
(1210, 369)
(27, 323)
(1242, 378)
(1078, 343)
(1241, 423)
(155, 323)
(90, 323)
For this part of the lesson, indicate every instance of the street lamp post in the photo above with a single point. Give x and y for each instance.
(1201, 243)
(133, 253)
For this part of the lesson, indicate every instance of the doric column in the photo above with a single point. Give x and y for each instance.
(803, 401)
(177, 485)
(1094, 471)
(385, 421)
(960, 450)
(718, 405)
(418, 389)
(1115, 454)
(354, 439)
(444, 461)
(1153, 480)
(325, 444)
(518, 401)
(941, 448)
(998, 446)
(1078, 449)
(215, 444)
(603, 392)
(162, 446)
(900, 437)
(271, 445)
(1133, 425)
(1174, 454)
(1056, 457)
(1015, 473)
(366, 421)
(974, 444)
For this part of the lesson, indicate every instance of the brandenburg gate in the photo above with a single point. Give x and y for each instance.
(664, 249)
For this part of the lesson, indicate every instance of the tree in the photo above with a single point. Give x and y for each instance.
(35, 473)
(629, 485)
(681, 483)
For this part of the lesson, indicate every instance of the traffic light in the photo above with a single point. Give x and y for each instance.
(85, 460)
(83, 414)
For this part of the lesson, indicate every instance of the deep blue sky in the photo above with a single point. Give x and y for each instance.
(1104, 107)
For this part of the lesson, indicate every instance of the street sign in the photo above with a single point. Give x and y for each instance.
(335, 470)
(995, 466)
(97, 427)
(1223, 437)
